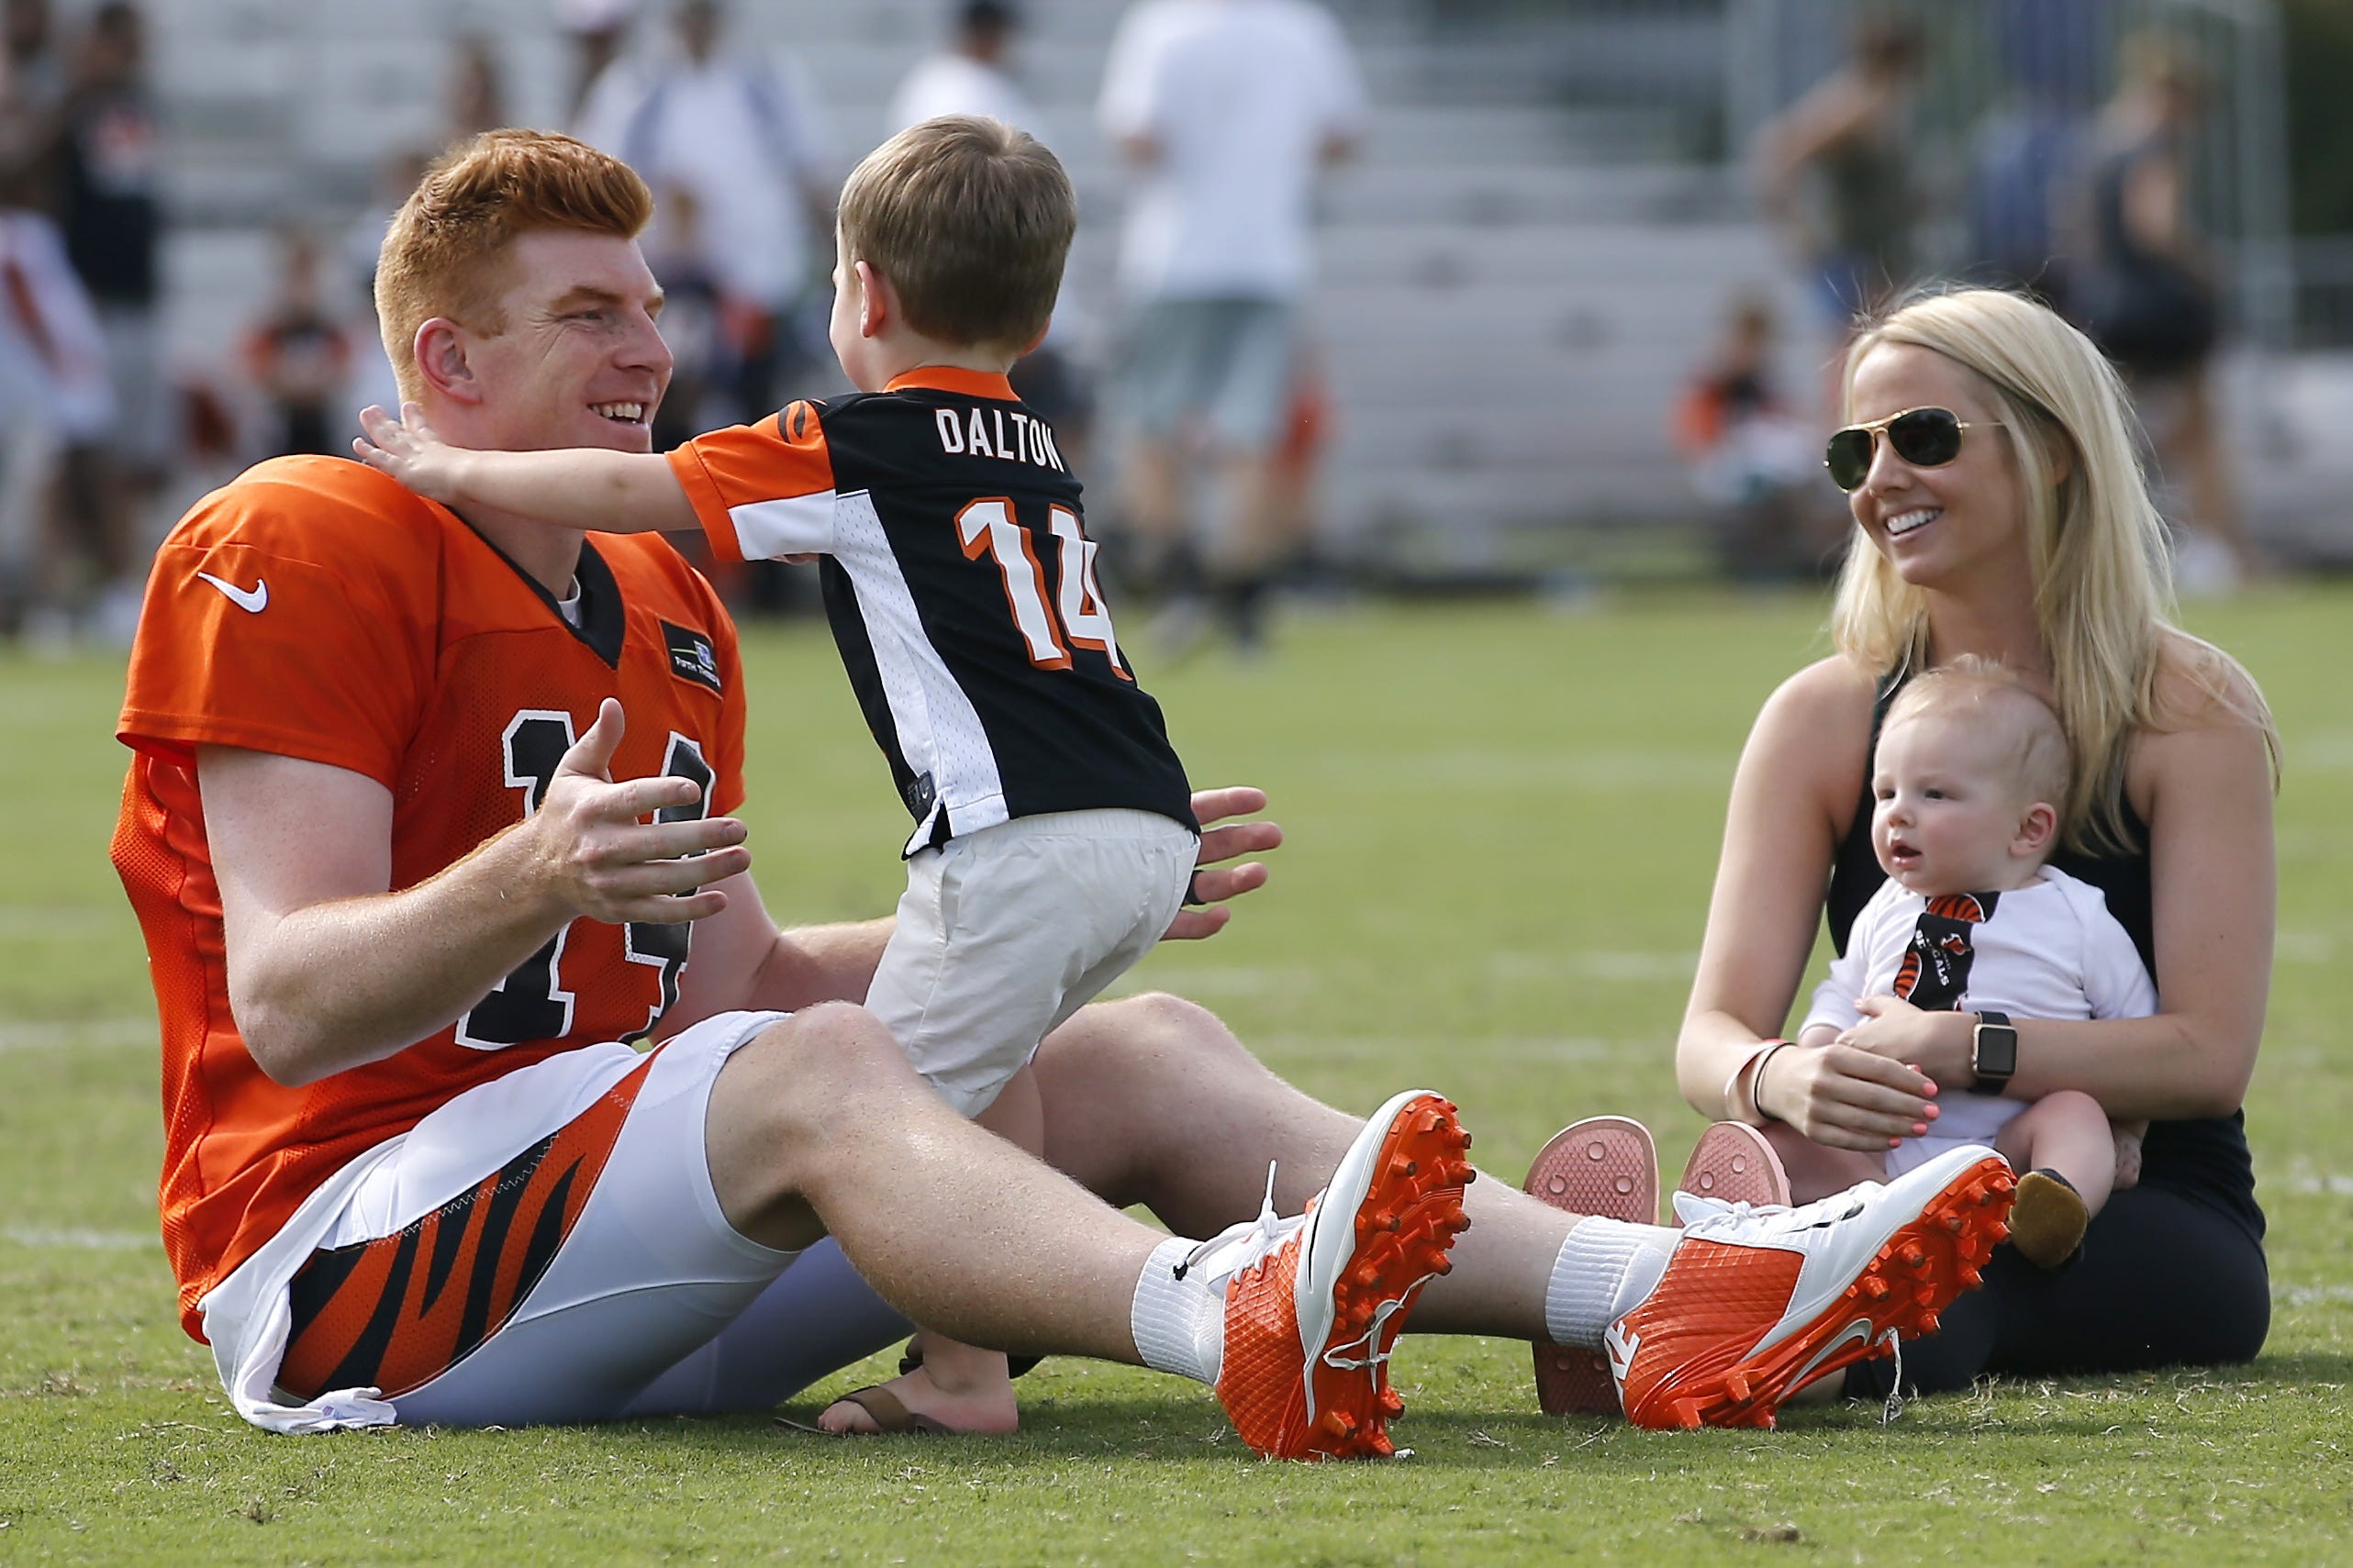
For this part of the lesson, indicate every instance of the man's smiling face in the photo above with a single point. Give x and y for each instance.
(579, 363)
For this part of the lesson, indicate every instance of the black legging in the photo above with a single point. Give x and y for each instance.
(2165, 1279)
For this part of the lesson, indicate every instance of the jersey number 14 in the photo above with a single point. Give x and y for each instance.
(1074, 616)
(532, 1002)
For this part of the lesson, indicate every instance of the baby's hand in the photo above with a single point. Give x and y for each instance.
(408, 449)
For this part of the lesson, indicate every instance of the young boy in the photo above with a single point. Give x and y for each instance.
(1054, 835)
(1969, 763)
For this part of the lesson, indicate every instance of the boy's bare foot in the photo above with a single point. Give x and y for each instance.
(960, 1388)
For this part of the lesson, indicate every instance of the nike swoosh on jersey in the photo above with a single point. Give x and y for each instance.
(253, 600)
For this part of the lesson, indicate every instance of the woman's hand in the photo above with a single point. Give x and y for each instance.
(1940, 1044)
(1845, 1097)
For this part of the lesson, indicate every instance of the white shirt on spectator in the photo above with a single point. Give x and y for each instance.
(1240, 97)
(953, 84)
(740, 132)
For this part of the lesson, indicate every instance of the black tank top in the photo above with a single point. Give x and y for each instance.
(2207, 1157)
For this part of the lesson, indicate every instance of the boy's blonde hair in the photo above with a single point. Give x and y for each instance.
(444, 253)
(970, 219)
(2021, 732)
(2103, 587)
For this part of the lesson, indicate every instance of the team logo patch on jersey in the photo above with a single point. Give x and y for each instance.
(920, 792)
(691, 656)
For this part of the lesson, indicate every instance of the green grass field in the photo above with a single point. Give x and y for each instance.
(1503, 826)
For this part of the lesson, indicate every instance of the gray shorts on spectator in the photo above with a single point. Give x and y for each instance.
(1225, 364)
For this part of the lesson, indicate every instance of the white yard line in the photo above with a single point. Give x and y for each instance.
(80, 1241)
(50, 920)
(2332, 749)
(2320, 1186)
(2311, 1295)
(107, 1034)
(1541, 1048)
(1604, 772)
(1594, 963)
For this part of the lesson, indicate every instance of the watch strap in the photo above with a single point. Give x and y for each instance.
(1994, 1053)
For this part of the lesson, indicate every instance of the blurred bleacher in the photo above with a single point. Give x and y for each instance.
(1527, 260)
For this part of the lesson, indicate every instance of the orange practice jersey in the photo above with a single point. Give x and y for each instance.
(315, 609)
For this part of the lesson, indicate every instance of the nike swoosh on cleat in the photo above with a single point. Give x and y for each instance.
(1622, 1344)
(1861, 1328)
(253, 600)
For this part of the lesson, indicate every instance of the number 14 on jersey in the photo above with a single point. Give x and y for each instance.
(987, 527)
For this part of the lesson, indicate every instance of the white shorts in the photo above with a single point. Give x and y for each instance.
(547, 1247)
(1004, 933)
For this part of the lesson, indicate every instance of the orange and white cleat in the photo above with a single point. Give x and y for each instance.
(1314, 1305)
(1758, 1302)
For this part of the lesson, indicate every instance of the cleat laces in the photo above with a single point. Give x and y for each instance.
(1335, 1357)
(1247, 1242)
(1714, 1219)
(1893, 1410)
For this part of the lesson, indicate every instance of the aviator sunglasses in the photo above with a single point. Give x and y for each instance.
(1924, 438)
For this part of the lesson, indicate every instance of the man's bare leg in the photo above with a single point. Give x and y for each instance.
(819, 1123)
(822, 1116)
(1150, 1100)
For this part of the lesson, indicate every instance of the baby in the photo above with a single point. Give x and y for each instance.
(1969, 767)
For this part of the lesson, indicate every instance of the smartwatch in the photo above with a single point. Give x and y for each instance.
(1994, 1053)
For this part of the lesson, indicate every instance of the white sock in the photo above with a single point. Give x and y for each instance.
(1179, 1324)
(1604, 1270)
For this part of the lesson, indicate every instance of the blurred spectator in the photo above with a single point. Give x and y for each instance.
(1296, 488)
(2024, 152)
(969, 76)
(299, 356)
(477, 90)
(28, 34)
(1753, 459)
(597, 30)
(397, 175)
(694, 324)
(1226, 109)
(740, 132)
(54, 394)
(2146, 292)
(1836, 172)
(110, 208)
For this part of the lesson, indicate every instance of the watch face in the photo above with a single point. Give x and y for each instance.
(1997, 1051)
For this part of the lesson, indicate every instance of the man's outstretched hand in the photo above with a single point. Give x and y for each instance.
(593, 856)
(1216, 884)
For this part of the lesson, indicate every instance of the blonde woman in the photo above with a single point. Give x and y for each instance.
(2002, 513)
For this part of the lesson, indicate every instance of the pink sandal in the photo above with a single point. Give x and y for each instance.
(1605, 1166)
(1734, 1162)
